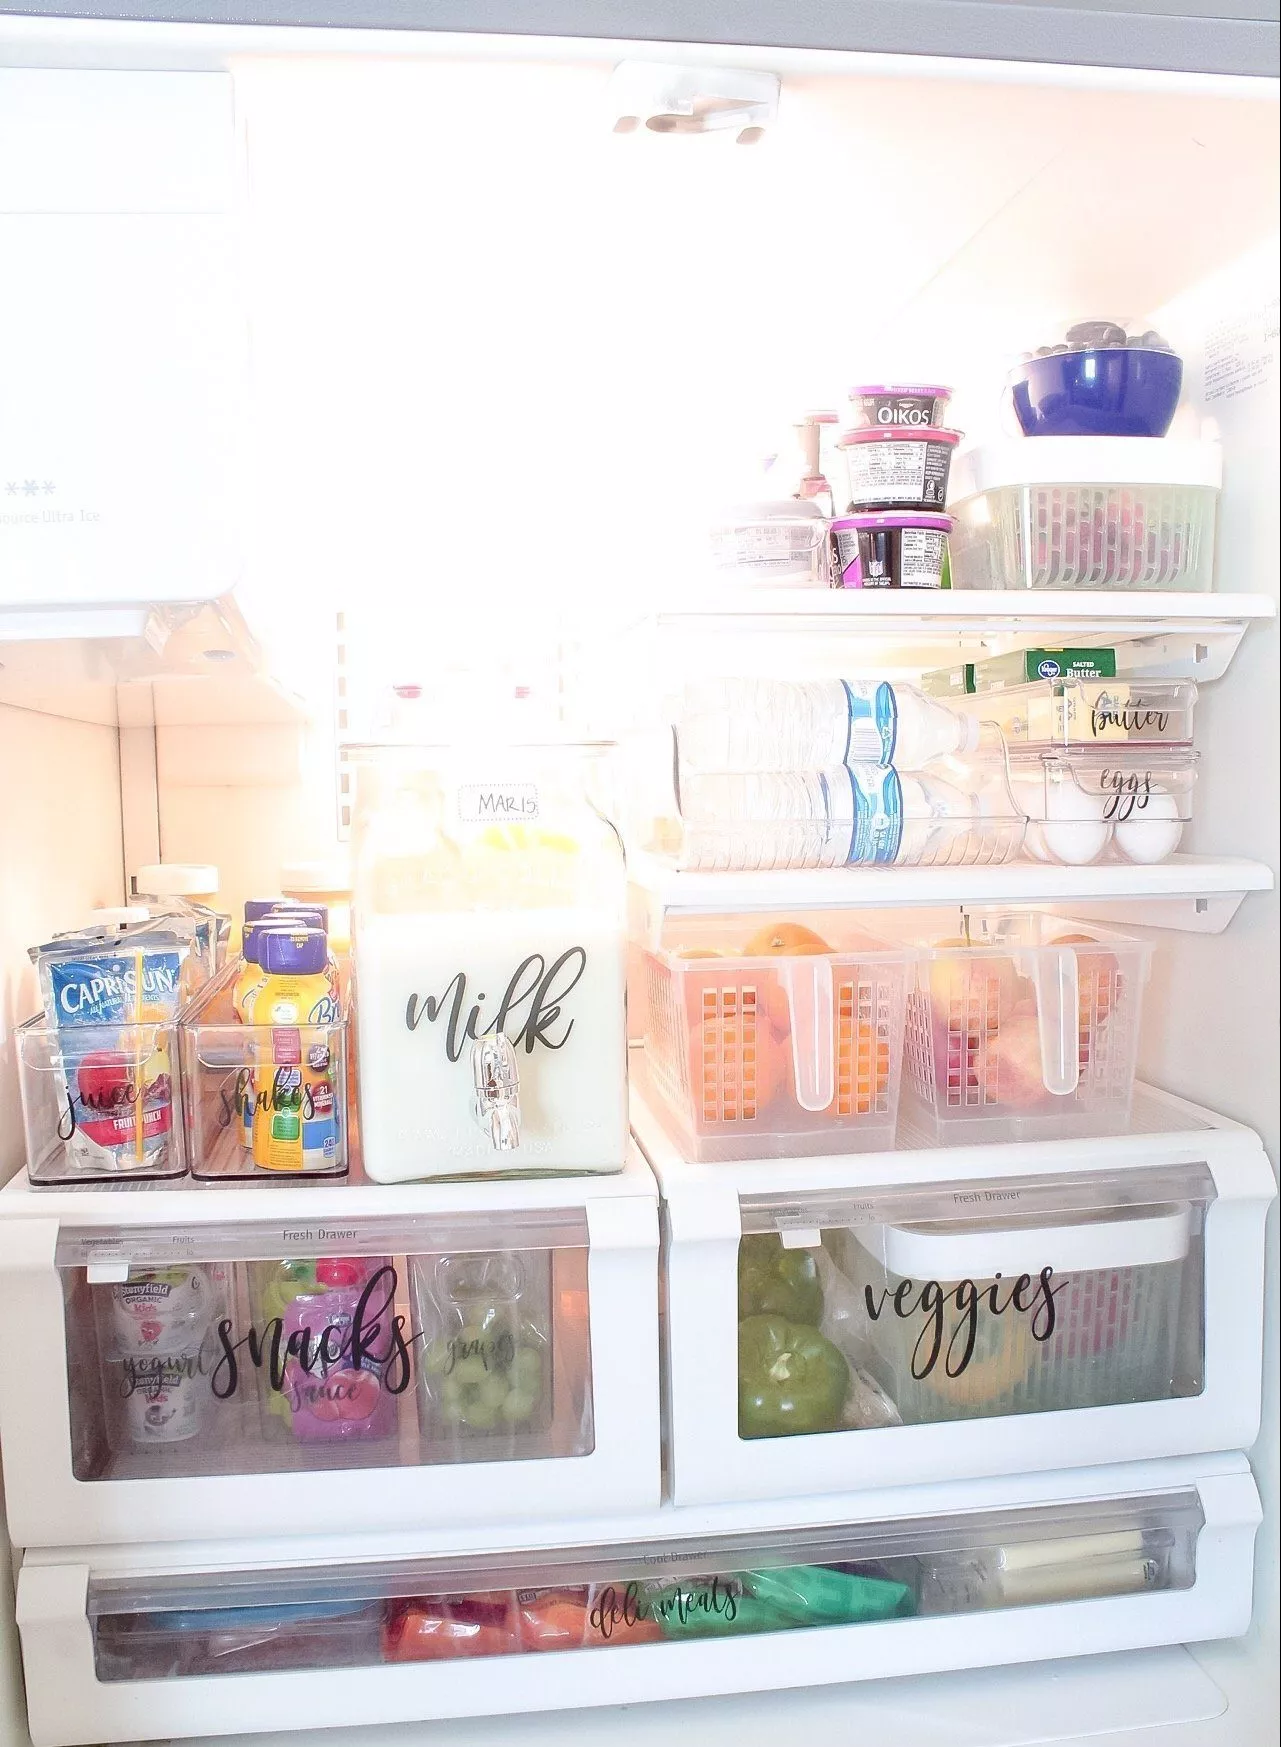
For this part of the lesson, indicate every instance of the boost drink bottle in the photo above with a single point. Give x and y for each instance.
(296, 1121)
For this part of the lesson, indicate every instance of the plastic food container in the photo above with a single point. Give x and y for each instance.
(774, 1039)
(876, 405)
(1127, 802)
(1114, 391)
(897, 549)
(237, 1640)
(893, 470)
(1081, 512)
(77, 1112)
(1028, 1032)
(1088, 712)
(1097, 1322)
(236, 1078)
(773, 544)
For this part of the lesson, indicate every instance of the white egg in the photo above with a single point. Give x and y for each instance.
(1152, 832)
(1075, 831)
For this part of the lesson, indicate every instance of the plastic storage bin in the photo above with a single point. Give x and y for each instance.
(905, 1584)
(1124, 803)
(769, 1039)
(241, 1363)
(771, 544)
(1025, 1028)
(803, 1358)
(239, 1081)
(1086, 512)
(1030, 1318)
(1116, 713)
(102, 1114)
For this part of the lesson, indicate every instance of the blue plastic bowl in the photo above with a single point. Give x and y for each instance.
(1122, 391)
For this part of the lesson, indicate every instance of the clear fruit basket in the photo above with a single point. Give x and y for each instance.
(1024, 1027)
(1086, 512)
(768, 1038)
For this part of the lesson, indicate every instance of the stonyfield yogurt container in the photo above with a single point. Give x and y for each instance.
(890, 549)
(877, 406)
(893, 469)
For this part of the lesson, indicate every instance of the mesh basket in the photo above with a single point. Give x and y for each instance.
(771, 1057)
(1114, 1336)
(1086, 536)
(1030, 1032)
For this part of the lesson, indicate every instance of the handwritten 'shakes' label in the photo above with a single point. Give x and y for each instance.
(481, 803)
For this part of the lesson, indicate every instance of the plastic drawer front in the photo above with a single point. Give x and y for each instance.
(955, 1580)
(902, 1318)
(241, 1359)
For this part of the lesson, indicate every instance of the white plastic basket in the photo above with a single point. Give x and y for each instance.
(1085, 512)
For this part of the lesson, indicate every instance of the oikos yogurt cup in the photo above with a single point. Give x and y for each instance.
(881, 406)
(898, 470)
(890, 549)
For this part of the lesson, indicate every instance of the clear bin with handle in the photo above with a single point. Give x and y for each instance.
(768, 1038)
(1023, 1027)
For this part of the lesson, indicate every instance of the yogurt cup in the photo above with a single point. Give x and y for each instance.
(878, 406)
(896, 470)
(894, 549)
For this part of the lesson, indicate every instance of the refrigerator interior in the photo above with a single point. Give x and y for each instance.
(494, 361)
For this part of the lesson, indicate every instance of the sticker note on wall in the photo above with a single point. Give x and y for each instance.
(1241, 353)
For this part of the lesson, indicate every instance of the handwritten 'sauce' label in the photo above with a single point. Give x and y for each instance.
(497, 803)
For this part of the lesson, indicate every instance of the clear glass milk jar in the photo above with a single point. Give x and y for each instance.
(489, 941)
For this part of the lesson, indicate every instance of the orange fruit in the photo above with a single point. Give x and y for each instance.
(736, 1066)
(784, 940)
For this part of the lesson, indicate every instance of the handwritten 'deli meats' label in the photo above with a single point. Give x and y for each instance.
(497, 803)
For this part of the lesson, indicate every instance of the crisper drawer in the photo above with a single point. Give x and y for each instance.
(911, 1317)
(254, 1361)
(1068, 1565)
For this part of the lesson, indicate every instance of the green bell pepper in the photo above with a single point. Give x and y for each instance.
(773, 1281)
(790, 1379)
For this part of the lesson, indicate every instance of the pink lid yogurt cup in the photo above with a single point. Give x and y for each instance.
(910, 406)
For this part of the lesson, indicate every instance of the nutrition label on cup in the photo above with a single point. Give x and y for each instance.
(912, 473)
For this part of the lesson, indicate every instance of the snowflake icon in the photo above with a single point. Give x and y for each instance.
(30, 487)
(48, 487)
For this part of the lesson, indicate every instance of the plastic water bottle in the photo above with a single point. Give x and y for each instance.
(847, 815)
(814, 725)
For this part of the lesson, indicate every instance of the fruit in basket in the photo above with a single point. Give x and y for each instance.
(791, 1379)
(737, 1067)
(971, 991)
(698, 952)
(776, 1281)
(1015, 1053)
(785, 940)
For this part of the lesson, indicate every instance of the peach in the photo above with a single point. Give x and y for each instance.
(785, 940)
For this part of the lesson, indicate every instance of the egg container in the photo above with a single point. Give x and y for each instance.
(1023, 1027)
(786, 1052)
(1120, 802)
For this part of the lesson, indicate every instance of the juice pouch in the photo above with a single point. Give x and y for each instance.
(109, 998)
(297, 1125)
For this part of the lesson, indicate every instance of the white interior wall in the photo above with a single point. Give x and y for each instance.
(1212, 1009)
(59, 857)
